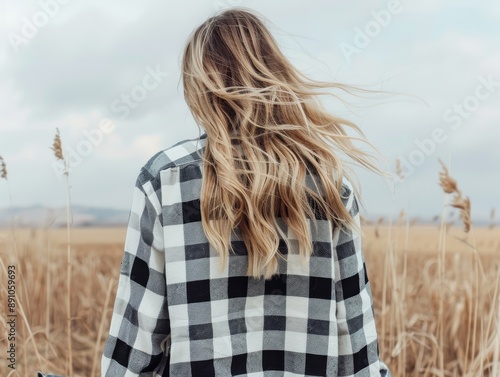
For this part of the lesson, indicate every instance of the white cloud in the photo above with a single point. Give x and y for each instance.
(142, 147)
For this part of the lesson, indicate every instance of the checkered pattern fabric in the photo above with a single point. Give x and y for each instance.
(178, 314)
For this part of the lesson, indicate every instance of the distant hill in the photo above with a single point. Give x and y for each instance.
(83, 216)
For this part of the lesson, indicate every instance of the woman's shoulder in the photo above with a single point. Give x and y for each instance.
(180, 153)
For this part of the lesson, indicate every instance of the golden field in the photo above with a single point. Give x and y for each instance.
(436, 295)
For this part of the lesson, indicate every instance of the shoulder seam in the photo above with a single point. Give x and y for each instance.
(150, 173)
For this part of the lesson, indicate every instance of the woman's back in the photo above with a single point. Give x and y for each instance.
(311, 319)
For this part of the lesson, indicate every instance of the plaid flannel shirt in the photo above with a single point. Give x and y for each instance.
(177, 314)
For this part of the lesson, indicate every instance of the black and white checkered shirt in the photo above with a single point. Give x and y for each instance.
(177, 314)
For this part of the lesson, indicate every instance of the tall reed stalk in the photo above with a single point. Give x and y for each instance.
(58, 153)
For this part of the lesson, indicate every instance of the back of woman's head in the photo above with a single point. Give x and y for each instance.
(266, 131)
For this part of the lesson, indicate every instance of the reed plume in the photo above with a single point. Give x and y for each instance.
(463, 204)
(57, 147)
(450, 186)
(399, 170)
(3, 168)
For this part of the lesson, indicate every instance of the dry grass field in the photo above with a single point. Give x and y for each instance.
(436, 297)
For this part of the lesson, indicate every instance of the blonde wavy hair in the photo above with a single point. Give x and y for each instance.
(266, 131)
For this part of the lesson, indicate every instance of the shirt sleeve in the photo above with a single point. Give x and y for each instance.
(357, 334)
(140, 324)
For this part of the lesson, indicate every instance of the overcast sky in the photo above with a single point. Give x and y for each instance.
(85, 65)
